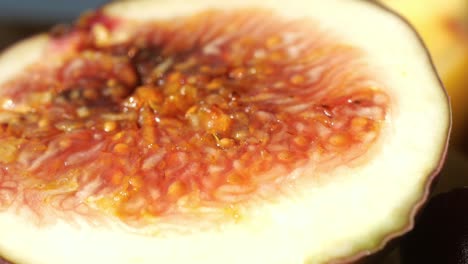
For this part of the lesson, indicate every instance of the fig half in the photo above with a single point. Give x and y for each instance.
(210, 132)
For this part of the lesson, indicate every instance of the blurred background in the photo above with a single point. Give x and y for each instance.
(22, 18)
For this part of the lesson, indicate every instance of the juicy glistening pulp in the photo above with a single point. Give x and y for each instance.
(184, 116)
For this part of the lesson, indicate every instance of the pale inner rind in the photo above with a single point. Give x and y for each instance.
(317, 222)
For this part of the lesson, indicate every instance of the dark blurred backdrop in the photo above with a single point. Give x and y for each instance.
(22, 18)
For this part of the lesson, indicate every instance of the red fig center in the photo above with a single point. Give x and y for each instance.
(196, 112)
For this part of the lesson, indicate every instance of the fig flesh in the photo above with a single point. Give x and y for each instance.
(321, 136)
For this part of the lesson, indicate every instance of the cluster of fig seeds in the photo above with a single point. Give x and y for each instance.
(170, 119)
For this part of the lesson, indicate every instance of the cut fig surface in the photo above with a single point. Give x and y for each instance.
(223, 131)
(163, 126)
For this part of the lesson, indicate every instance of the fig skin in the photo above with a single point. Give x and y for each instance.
(441, 232)
(393, 241)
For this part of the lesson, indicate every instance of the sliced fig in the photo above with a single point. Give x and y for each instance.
(209, 132)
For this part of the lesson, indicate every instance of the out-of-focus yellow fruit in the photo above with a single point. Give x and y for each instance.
(443, 25)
